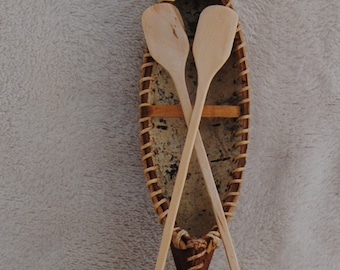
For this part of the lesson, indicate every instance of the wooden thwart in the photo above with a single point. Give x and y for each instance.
(209, 111)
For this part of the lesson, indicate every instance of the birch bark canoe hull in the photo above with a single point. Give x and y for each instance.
(226, 139)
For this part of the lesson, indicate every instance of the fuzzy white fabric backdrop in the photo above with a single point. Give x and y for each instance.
(72, 191)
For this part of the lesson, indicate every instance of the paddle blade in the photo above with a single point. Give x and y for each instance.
(214, 39)
(165, 36)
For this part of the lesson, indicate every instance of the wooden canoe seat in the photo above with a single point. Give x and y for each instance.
(209, 111)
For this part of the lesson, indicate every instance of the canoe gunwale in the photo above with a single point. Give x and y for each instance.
(197, 251)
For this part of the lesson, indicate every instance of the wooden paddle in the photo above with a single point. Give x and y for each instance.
(169, 46)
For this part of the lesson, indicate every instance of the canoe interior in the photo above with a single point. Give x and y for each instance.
(219, 134)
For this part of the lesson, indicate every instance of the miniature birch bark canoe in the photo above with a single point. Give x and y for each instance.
(224, 129)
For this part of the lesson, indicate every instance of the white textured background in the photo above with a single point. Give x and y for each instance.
(72, 192)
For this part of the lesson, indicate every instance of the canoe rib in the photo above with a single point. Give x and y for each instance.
(188, 252)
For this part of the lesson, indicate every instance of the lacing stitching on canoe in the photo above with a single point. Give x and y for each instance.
(149, 155)
(241, 143)
(178, 233)
(243, 89)
(197, 267)
(232, 196)
(242, 131)
(147, 145)
(152, 181)
(244, 101)
(145, 122)
(228, 3)
(235, 181)
(195, 244)
(162, 216)
(241, 156)
(201, 243)
(239, 47)
(147, 129)
(240, 61)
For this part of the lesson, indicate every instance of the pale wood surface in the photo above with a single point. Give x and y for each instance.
(170, 49)
(216, 18)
